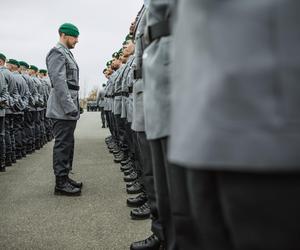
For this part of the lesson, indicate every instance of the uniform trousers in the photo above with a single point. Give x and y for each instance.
(37, 129)
(216, 210)
(147, 180)
(102, 116)
(162, 187)
(18, 128)
(10, 138)
(28, 130)
(2, 141)
(63, 150)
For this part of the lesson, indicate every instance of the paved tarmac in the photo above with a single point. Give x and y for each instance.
(31, 217)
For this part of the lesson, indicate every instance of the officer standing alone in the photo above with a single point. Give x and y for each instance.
(63, 107)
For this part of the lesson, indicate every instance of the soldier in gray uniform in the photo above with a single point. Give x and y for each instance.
(117, 106)
(128, 133)
(3, 104)
(107, 72)
(22, 104)
(101, 104)
(138, 125)
(39, 103)
(115, 146)
(47, 89)
(235, 181)
(29, 113)
(157, 107)
(63, 107)
(10, 156)
(45, 94)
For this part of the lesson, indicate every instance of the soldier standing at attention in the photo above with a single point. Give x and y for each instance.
(3, 103)
(63, 107)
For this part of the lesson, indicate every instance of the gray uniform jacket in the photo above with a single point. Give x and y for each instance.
(40, 100)
(3, 95)
(118, 91)
(63, 71)
(46, 89)
(23, 91)
(156, 61)
(13, 95)
(125, 88)
(100, 98)
(111, 90)
(106, 98)
(236, 95)
(138, 122)
(33, 95)
(129, 103)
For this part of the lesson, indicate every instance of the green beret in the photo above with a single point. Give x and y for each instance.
(43, 71)
(14, 62)
(69, 29)
(116, 55)
(2, 57)
(108, 63)
(34, 68)
(129, 37)
(24, 64)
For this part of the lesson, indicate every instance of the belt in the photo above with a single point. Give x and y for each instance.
(117, 94)
(137, 74)
(126, 94)
(73, 87)
(158, 30)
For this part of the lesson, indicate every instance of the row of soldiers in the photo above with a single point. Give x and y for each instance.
(202, 103)
(24, 91)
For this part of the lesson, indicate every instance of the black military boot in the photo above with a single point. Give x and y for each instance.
(2, 165)
(136, 188)
(126, 167)
(151, 243)
(138, 201)
(128, 172)
(33, 147)
(132, 177)
(129, 184)
(63, 187)
(125, 162)
(141, 213)
(75, 183)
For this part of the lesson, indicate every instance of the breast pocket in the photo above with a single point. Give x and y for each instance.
(72, 72)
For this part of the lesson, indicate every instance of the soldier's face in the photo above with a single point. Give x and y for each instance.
(71, 41)
(132, 26)
(2, 62)
(9, 66)
(124, 59)
(23, 70)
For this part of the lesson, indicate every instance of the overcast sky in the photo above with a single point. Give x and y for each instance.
(28, 30)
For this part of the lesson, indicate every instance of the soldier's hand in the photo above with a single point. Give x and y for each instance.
(73, 114)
